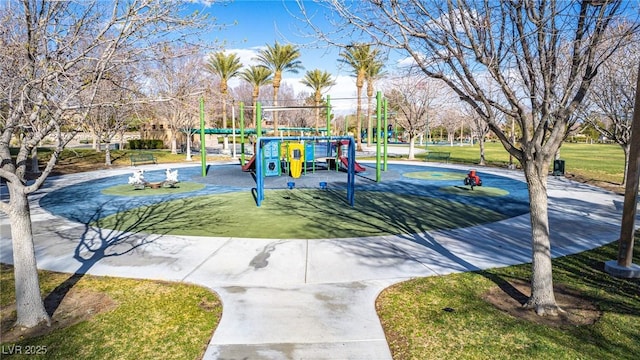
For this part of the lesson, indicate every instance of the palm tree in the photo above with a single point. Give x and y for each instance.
(359, 57)
(318, 80)
(279, 58)
(257, 76)
(374, 72)
(226, 66)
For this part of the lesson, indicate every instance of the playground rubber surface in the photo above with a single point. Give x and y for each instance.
(304, 292)
(407, 200)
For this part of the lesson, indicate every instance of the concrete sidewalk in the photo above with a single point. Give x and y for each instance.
(313, 299)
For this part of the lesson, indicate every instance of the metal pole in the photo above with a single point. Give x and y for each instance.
(351, 173)
(233, 128)
(386, 134)
(625, 247)
(328, 115)
(203, 149)
(259, 175)
(378, 123)
(242, 133)
(258, 110)
(188, 149)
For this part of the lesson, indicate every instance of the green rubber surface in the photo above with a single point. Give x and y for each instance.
(299, 214)
(465, 190)
(435, 175)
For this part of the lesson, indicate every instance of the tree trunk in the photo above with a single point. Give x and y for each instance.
(188, 158)
(29, 305)
(626, 148)
(481, 143)
(275, 113)
(277, 77)
(174, 144)
(412, 147)
(107, 154)
(34, 160)
(224, 110)
(542, 298)
(173, 140)
(318, 98)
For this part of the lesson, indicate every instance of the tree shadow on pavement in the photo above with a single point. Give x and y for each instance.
(96, 244)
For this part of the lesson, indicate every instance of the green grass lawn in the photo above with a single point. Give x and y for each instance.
(418, 327)
(142, 320)
(73, 159)
(602, 162)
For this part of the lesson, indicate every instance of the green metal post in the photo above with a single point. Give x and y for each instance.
(386, 135)
(203, 149)
(258, 116)
(378, 123)
(241, 133)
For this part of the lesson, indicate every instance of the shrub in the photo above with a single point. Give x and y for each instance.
(145, 144)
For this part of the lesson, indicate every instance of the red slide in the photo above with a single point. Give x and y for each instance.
(358, 167)
(250, 164)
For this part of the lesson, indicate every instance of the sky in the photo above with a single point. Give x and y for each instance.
(252, 24)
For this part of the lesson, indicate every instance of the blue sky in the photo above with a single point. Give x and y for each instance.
(253, 23)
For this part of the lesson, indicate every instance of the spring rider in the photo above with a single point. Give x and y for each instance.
(472, 179)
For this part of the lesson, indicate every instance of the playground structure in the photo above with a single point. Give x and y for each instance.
(298, 157)
(268, 160)
(345, 161)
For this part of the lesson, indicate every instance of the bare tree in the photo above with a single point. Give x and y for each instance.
(411, 98)
(542, 55)
(450, 118)
(177, 79)
(54, 56)
(479, 128)
(613, 98)
(113, 107)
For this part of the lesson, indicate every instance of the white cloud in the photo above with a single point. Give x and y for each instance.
(247, 56)
(406, 62)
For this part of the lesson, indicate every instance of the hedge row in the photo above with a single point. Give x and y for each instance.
(146, 144)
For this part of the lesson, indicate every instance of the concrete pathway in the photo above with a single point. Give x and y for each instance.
(311, 299)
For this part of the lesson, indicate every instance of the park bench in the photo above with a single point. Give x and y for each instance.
(142, 158)
(438, 156)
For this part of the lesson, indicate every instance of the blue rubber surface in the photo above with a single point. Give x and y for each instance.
(84, 202)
